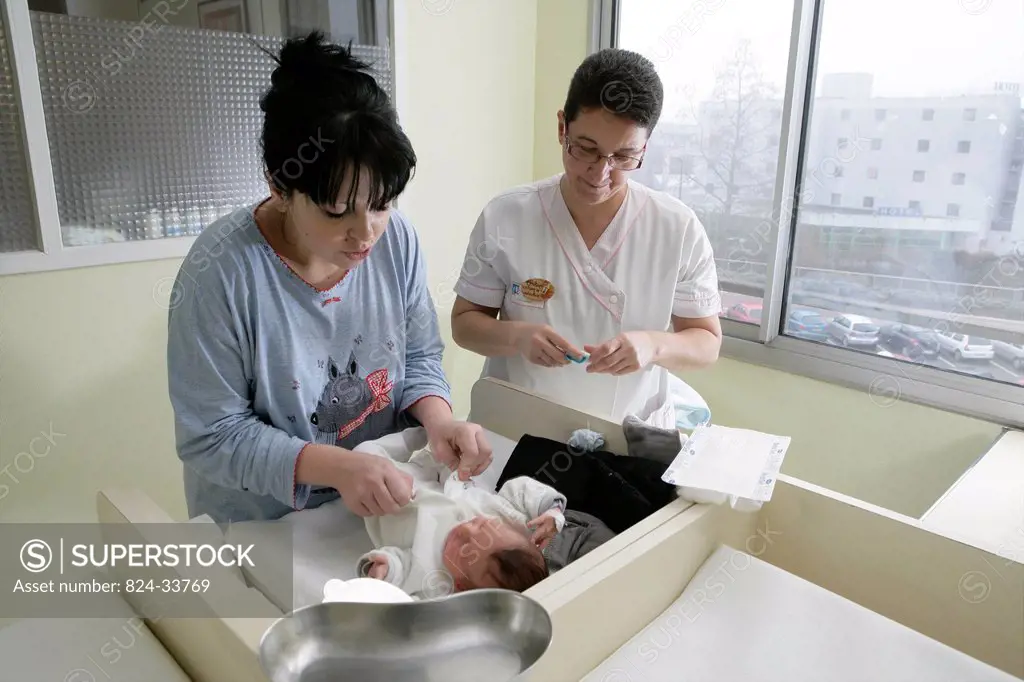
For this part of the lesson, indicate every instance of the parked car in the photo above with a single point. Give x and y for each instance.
(806, 324)
(1013, 353)
(964, 347)
(745, 312)
(853, 330)
(914, 342)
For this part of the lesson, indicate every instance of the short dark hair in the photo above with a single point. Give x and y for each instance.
(520, 568)
(326, 114)
(620, 81)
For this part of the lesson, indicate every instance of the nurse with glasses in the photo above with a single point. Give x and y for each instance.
(589, 287)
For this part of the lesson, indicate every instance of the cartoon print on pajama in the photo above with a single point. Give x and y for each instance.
(351, 407)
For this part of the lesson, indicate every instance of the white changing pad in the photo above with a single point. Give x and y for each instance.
(327, 541)
(741, 618)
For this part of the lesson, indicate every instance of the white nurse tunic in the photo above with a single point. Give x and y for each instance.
(652, 262)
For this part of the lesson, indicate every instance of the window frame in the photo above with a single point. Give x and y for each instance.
(883, 379)
(53, 254)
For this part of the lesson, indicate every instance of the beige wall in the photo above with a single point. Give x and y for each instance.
(561, 46)
(899, 456)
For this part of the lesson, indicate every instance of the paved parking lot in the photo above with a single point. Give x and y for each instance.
(1000, 370)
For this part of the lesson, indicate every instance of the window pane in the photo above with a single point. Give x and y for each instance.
(940, 245)
(152, 108)
(716, 147)
(17, 219)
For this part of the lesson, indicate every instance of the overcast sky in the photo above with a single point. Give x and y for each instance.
(912, 47)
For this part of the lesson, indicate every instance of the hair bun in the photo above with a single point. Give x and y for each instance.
(312, 60)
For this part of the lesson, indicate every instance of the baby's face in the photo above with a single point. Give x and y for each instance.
(470, 545)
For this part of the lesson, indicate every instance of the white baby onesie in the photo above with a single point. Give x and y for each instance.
(413, 538)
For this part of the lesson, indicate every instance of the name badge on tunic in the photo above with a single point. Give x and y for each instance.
(534, 292)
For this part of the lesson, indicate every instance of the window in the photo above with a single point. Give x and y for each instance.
(733, 88)
(148, 146)
(837, 172)
(899, 252)
(970, 114)
(682, 165)
(17, 219)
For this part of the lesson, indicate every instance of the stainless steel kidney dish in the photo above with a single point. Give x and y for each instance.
(474, 636)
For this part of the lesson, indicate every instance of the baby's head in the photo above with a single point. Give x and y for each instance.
(488, 552)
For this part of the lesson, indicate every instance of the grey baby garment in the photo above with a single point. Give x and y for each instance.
(581, 534)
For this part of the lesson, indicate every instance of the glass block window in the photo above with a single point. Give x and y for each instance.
(17, 218)
(154, 133)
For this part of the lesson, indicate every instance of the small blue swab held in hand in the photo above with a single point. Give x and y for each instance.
(580, 360)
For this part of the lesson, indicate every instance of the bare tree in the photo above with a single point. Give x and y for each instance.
(739, 136)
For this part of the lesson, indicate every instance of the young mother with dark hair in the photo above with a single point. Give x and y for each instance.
(302, 325)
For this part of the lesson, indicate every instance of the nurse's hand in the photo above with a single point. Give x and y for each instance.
(626, 353)
(460, 446)
(539, 344)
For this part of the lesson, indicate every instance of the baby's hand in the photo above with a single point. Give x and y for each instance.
(378, 566)
(544, 529)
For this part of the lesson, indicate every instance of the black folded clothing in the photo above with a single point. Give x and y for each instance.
(617, 489)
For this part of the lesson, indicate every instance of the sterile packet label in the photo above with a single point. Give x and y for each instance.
(733, 461)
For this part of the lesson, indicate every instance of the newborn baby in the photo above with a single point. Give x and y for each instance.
(455, 536)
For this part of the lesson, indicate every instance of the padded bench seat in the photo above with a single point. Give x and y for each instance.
(741, 618)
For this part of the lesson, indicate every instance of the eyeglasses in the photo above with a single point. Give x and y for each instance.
(616, 161)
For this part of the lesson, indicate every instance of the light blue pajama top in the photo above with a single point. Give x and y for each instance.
(260, 363)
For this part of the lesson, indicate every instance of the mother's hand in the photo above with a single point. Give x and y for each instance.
(462, 446)
(370, 485)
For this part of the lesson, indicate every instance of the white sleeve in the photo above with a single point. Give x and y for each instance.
(399, 564)
(397, 446)
(533, 498)
(697, 293)
(479, 281)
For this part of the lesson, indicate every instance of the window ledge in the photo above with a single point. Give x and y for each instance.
(69, 257)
